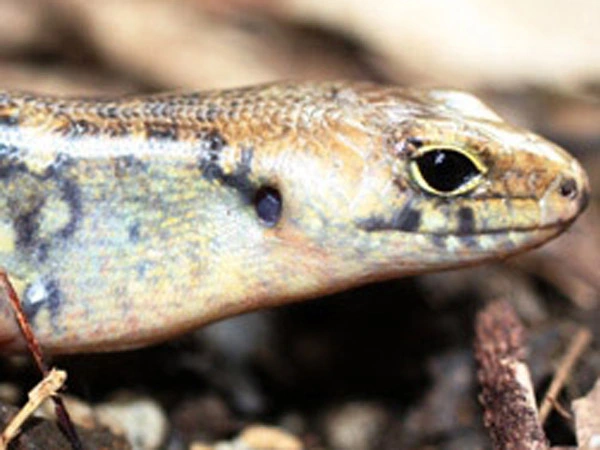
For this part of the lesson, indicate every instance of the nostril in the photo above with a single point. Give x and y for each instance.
(568, 188)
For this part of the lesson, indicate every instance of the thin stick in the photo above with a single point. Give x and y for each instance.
(561, 410)
(46, 388)
(32, 343)
(35, 349)
(580, 342)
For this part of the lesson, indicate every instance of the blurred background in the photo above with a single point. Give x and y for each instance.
(386, 366)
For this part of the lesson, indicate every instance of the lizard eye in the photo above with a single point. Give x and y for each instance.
(445, 170)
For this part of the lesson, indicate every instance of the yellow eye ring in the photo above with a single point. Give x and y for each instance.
(446, 170)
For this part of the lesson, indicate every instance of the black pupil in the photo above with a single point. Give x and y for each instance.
(446, 170)
(268, 205)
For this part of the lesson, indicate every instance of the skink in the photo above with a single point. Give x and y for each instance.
(126, 221)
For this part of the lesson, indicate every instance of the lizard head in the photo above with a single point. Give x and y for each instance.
(476, 186)
(429, 179)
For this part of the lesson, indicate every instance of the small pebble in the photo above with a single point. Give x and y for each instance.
(356, 425)
(140, 419)
(10, 393)
(256, 437)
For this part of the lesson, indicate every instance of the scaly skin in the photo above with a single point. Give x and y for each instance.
(124, 222)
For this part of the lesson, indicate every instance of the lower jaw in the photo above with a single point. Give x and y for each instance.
(501, 244)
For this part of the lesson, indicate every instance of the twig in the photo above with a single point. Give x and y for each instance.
(578, 345)
(507, 395)
(28, 334)
(35, 349)
(41, 392)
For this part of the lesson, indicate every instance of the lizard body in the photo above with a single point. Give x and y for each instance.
(126, 221)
